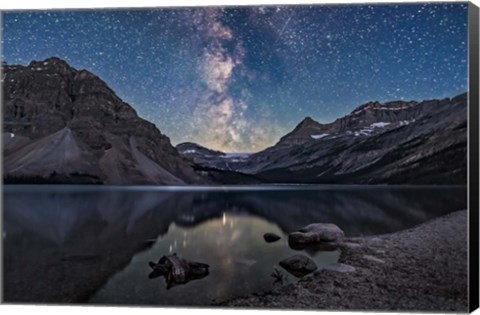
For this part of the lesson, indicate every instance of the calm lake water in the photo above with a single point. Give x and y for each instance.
(92, 244)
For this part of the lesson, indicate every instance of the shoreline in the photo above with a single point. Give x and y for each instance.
(424, 268)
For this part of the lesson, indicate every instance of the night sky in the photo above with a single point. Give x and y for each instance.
(237, 79)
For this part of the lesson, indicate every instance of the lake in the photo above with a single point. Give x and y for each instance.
(92, 244)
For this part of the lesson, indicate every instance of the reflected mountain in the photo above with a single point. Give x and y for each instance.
(64, 245)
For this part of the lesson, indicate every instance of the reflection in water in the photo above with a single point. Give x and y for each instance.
(92, 244)
(240, 262)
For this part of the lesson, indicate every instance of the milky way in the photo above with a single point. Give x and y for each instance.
(237, 79)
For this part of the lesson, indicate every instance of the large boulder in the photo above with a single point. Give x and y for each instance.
(317, 233)
(298, 265)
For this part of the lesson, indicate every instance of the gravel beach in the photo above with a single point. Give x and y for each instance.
(422, 269)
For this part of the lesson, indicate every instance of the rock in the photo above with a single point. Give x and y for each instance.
(298, 265)
(317, 233)
(177, 270)
(271, 237)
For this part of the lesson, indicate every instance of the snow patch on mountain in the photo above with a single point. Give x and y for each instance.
(240, 155)
(406, 122)
(383, 107)
(367, 131)
(380, 124)
(316, 137)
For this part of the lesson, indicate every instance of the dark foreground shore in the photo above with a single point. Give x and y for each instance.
(423, 269)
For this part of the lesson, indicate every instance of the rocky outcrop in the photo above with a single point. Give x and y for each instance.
(60, 119)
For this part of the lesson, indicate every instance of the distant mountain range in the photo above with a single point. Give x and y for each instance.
(390, 143)
(63, 125)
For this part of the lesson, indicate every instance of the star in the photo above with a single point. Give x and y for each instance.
(238, 78)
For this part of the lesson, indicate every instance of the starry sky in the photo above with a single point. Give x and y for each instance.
(238, 78)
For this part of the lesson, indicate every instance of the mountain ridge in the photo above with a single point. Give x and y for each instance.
(60, 121)
(48, 96)
(374, 144)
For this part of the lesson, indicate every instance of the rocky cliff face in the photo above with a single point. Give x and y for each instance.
(59, 120)
(394, 143)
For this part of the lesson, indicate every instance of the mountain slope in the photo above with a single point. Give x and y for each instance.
(421, 143)
(58, 152)
(394, 143)
(61, 120)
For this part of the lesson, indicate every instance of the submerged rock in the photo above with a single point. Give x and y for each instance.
(271, 237)
(317, 233)
(298, 265)
(177, 270)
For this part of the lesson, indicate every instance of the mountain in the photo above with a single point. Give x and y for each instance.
(197, 153)
(216, 166)
(302, 131)
(63, 125)
(210, 158)
(377, 143)
(66, 125)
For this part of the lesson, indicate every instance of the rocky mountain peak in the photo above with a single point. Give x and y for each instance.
(401, 142)
(191, 149)
(376, 106)
(367, 119)
(303, 130)
(55, 61)
(47, 96)
(51, 65)
(308, 122)
(460, 98)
